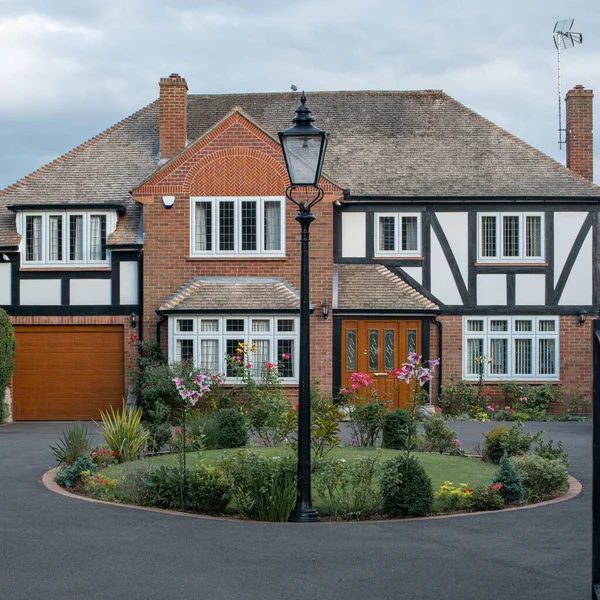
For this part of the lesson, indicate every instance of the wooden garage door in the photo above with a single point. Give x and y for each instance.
(67, 372)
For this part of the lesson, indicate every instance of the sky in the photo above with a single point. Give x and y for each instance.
(72, 68)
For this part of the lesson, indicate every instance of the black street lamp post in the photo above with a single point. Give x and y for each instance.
(304, 150)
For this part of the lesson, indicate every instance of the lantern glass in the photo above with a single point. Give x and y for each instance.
(304, 156)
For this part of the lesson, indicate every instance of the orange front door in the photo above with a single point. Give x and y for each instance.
(377, 346)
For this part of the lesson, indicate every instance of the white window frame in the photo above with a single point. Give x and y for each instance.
(512, 334)
(499, 257)
(237, 202)
(398, 235)
(111, 224)
(247, 336)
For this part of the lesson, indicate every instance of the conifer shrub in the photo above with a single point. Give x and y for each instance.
(396, 425)
(231, 429)
(508, 477)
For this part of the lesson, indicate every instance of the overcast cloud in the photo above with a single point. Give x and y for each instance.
(71, 68)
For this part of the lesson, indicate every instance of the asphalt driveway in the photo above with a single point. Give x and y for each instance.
(52, 547)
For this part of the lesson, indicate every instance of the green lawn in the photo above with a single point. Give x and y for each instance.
(440, 468)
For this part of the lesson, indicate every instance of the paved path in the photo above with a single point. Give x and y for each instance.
(52, 547)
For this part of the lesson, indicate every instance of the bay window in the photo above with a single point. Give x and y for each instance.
(238, 226)
(511, 347)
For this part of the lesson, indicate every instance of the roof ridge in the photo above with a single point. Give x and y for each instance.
(294, 94)
(74, 151)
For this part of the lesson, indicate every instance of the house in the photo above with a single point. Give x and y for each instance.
(438, 232)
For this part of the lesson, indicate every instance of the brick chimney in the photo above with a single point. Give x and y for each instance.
(580, 154)
(173, 115)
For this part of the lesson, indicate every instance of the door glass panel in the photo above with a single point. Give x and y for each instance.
(351, 350)
(411, 340)
(389, 349)
(373, 349)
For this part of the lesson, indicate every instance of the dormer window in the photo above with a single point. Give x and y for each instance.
(66, 238)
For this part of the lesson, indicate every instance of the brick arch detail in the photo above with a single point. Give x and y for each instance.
(236, 172)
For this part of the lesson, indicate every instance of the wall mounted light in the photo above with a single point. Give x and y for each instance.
(325, 309)
(133, 320)
(168, 201)
(582, 316)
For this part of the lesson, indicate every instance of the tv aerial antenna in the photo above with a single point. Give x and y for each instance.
(564, 39)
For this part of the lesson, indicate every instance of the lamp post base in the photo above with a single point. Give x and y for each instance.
(304, 515)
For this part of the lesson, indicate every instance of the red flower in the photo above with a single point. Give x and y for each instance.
(114, 454)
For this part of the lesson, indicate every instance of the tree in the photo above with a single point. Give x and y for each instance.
(8, 346)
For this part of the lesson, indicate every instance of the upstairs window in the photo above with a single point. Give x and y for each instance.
(398, 234)
(511, 237)
(66, 238)
(244, 226)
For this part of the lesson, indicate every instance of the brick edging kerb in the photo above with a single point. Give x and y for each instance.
(575, 488)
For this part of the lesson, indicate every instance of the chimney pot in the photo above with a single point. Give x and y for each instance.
(579, 126)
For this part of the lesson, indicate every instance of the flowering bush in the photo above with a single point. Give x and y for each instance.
(450, 498)
(542, 478)
(97, 485)
(486, 498)
(103, 456)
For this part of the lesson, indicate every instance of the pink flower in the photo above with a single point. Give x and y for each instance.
(353, 441)
(414, 358)
(261, 441)
(178, 382)
(269, 366)
(200, 378)
(345, 391)
(434, 363)
(491, 408)
(423, 376)
(184, 393)
(507, 408)
(193, 397)
(456, 443)
(497, 486)
(523, 399)
(285, 356)
(511, 410)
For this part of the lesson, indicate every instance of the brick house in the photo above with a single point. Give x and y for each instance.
(438, 232)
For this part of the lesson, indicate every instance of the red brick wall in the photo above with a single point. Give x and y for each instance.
(575, 356)
(235, 159)
(173, 115)
(579, 108)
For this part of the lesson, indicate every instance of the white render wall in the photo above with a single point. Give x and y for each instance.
(456, 228)
(128, 283)
(491, 290)
(90, 292)
(5, 284)
(415, 272)
(40, 292)
(579, 285)
(530, 289)
(354, 235)
(566, 228)
(443, 285)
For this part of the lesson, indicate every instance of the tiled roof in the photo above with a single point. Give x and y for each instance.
(405, 144)
(234, 293)
(375, 287)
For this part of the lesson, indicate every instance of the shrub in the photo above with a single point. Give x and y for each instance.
(458, 397)
(450, 498)
(157, 423)
(124, 433)
(349, 490)
(438, 437)
(542, 396)
(508, 477)
(579, 404)
(406, 488)
(486, 498)
(551, 452)
(76, 441)
(203, 430)
(7, 357)
(267, 420)
(177, 441)
(512, 440)
(97, 485)
(396, 426)
(263, 488)
(512, 392)
(131, 488)
(164, 487)
(542, 478)
(70, 475)
(208, 490)
(103, 456)
(231, 428)
(367, 420)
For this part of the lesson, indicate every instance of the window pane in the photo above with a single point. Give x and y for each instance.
(522, 325)
(33, 238)
(474, 351)
(510, 236)
(76, 237)
(249, 225)
(55, 250)
(387, 234)
(474, 325)
(231, 349)
(523, 357)
(209, 356)
(373, 350)
(409, 233)
(261, 356)
(498, 325)
(234, 325)
(285, 357)
(203, 227)
(547, 357)
(226, 226)
(533, 236)
(185, 325)
(546, 325)
(411, 336)
(97, 237)
(499, 356)
(389, 349)
(285, 325)
(272, 225)
(351, 350)
(209, 325)
(185, 350)
(261, 325)
(488, 237)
